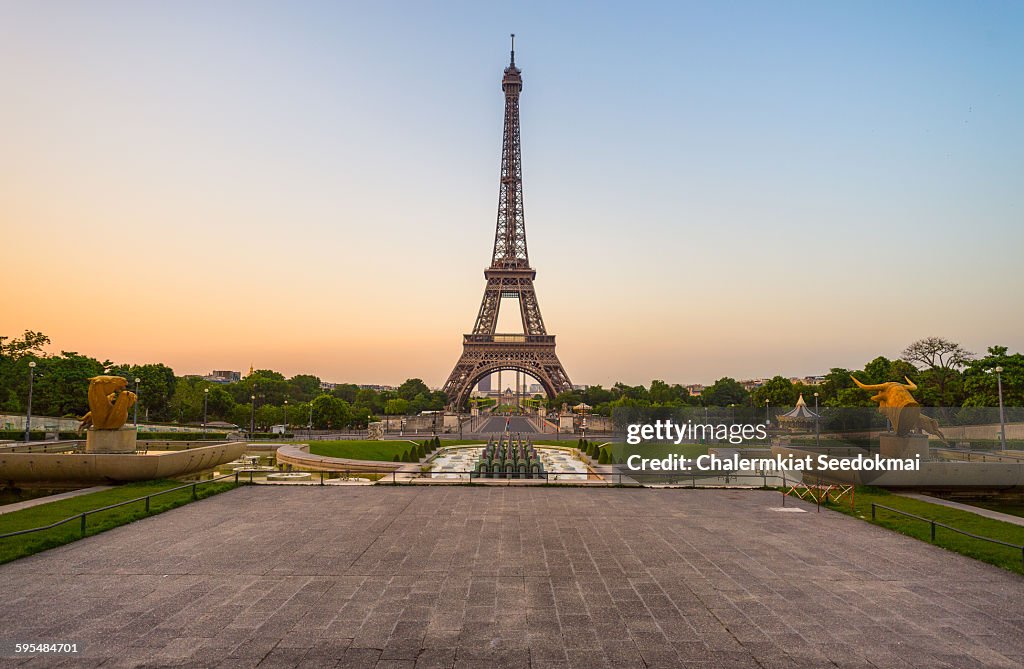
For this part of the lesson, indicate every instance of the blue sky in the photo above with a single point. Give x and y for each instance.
(711, 189)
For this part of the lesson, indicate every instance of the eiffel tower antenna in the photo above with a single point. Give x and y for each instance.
(486, 351)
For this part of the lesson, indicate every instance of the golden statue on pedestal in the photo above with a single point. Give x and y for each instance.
(108, 403)
(897, 404)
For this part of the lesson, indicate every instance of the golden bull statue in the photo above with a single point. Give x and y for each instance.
(897, 404)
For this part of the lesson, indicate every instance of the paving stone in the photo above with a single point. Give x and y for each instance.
(444, 577)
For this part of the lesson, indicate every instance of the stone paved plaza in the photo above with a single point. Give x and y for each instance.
(456, 576)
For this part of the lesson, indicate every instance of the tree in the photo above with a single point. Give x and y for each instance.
(62, 384)
(779, 392)
(663, 394)
(331, 413)
(241, 415)
(723, 392)
(303, 387)
(941, 361)
(30, 343)
(411, 388)
(219, 404)
(187, 400)
(349, 392)
(396, 407)
(631, 392)
(156, 387)
(267, 415)
(980, 383)
(936, 353)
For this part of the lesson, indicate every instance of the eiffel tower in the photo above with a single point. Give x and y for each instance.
(510, 275)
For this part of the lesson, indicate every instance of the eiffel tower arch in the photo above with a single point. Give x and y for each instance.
(485, 351)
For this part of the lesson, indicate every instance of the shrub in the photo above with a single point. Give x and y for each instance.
(421, 451)
(579, 443)
(19, 435)
(437, 442)
(195, 436)
(397, 458)
(603, 458)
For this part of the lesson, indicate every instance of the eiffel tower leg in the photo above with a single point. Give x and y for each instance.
(486, 357)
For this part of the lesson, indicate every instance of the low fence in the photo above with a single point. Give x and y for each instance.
(81, 517)
(589, 478)
(936, 524)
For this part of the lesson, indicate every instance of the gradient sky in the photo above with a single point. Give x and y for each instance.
(711, 189)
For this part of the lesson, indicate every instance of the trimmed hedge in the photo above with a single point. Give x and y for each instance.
(35, 435)
(181, 436)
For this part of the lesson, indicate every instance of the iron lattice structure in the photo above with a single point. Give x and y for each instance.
(485, 351)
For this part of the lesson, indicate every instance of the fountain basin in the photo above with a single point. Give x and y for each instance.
(80, 469)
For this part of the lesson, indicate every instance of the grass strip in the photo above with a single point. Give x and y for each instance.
(13, 548)
(1001, 556)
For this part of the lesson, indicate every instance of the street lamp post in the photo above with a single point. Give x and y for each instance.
(135, 415)
(766, 418)
(286, 415)
(252, 416)
(28, 415)
(206, 402)
(1002, 418)
(817, 432)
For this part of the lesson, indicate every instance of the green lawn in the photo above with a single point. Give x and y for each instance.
(371, 449)
(1001, 556)
(45, 514)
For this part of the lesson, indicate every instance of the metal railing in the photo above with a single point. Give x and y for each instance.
(935, 524)
(462, 476)
(82, 516)
(407, 477)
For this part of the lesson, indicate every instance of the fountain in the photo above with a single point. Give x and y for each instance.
(110, 453)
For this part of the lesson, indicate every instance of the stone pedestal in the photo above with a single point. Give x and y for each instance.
(110, 441)
(375, 430)
(451, 422)
(474, 411)
(894, 446)
(566, 422)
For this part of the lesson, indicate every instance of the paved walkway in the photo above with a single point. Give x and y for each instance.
(29, 503)
(515, 577)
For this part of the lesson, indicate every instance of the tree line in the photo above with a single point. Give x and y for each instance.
(60, 388)
(945, 373)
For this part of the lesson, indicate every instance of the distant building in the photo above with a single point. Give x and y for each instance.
(752, 384)
(580, 386)
(695, 389)
(223, 376)
(324, 385)
(536, 388)
(485, 384)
